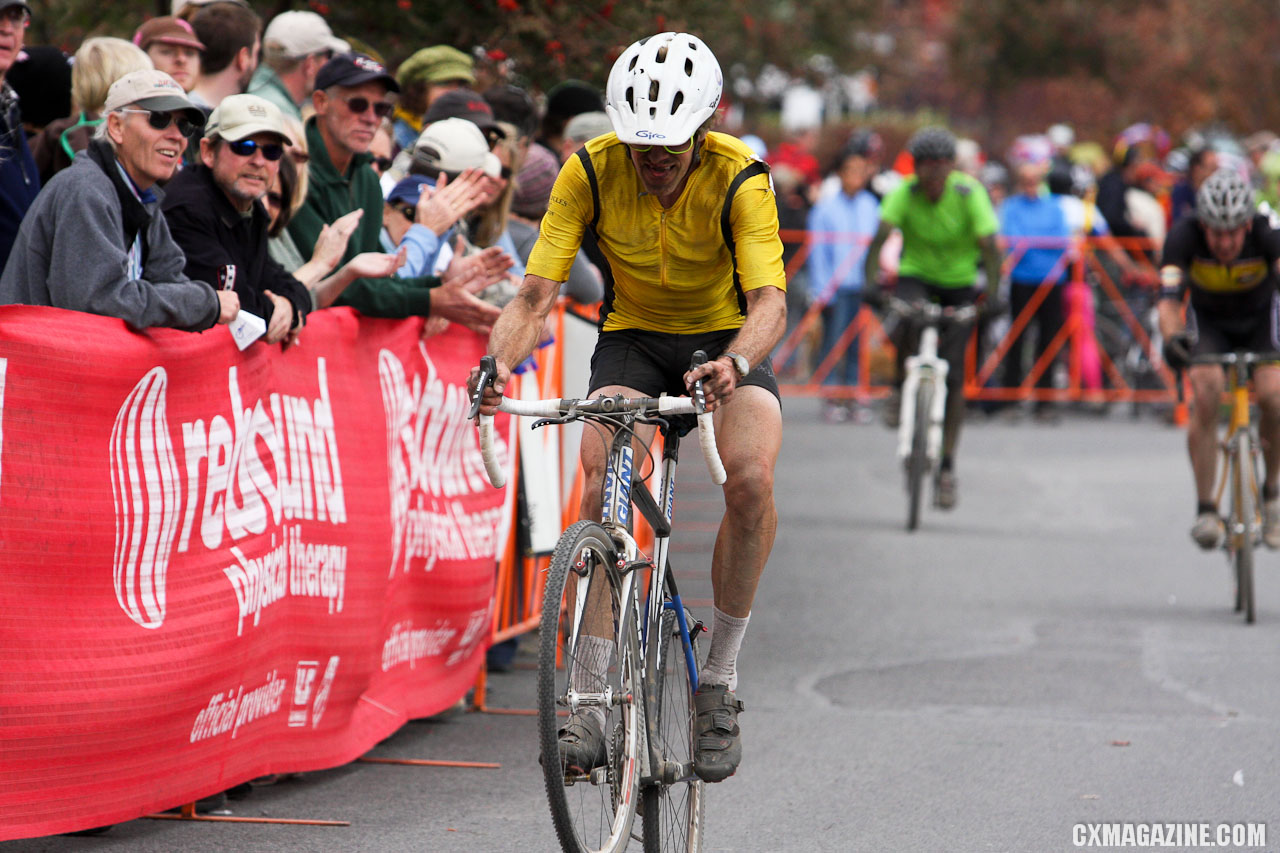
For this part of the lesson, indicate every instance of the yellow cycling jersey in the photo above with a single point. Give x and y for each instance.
(671, 268)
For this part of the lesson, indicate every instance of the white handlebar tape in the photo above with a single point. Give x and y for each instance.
(707, 438)
(491, 466)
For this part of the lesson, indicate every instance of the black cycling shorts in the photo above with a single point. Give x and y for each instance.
(655, 363)
(1254, 332)
(951, 340)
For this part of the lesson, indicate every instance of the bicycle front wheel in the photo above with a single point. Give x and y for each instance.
(1244, 524)
(589, 654)
(674, 813)
(918, 461)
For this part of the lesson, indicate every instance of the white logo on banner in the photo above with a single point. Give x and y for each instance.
(275, 461)
(303, 684)
(433, 458)
(147, 489)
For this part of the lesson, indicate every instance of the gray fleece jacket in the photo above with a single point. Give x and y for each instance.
(73, 246)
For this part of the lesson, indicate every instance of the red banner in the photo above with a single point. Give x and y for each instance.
(220, 565)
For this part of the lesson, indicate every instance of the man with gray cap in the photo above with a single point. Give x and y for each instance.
(295, 47)
(19, 180)
(215, 213)
(96, 240)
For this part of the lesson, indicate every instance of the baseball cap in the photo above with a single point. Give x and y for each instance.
(167, 30)
(453, 145)
(5, 4)
(298, 34)
(241, 116)
(409, 189)
(151, 90)
(466, 104)
(435, 65)
(534, 182)
(352, 69)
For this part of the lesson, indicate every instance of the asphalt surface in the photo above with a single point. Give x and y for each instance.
(1054, 651)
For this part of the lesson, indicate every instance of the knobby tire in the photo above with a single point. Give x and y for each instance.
(589, 817)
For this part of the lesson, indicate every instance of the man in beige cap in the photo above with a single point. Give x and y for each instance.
(423, 77)
(295, 46)
(173, 48)
(96, 240)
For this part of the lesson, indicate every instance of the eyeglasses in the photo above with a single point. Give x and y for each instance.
(407, 210)
(642, 149)
(382, 163)
(272, 151)
(359, 105)
(16, 15)
(298, 156)
(275, 199)
(162, 120)
(506, 173)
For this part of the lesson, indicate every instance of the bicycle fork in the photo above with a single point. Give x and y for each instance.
(925, 366)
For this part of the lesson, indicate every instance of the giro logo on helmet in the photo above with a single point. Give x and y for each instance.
(648, 134)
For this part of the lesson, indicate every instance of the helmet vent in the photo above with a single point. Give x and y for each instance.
(676, 102)
(634, 60)
(653, 90)
(631, 97)
(661, 55)
(688, 67)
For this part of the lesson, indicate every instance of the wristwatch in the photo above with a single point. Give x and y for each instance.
(740, 363)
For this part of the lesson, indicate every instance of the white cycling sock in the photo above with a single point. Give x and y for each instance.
(591, 663)
(726, 639)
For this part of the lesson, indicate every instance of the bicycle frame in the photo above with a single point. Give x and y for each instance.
(1239, 427)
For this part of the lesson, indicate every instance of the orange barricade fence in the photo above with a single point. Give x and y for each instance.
(1106, 334)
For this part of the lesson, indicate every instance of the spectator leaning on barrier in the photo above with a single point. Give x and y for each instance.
(214, 212)
(172, 45)
(96, 240)
(424, 77)
(231, 35)
(839, 229)
(295, 47)
(1036, 226)
(350, 99)
(98, 63)
(19, 180)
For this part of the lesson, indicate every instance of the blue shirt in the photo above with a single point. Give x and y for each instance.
(1042, 217)
(840, 227)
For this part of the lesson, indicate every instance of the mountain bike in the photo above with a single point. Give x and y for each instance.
(1240, 482)
(615, 635)
(924, 396)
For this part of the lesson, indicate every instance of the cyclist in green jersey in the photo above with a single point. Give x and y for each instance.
(948, 226)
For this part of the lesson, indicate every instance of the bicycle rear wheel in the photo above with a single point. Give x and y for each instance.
(593, 812)
(674, 813)
(1244, 524)
(918, 461)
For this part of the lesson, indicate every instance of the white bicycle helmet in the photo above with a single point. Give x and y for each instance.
(662, 89)
(1225, 200)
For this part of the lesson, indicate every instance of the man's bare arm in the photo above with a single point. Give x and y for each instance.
(766, 321)
(516, 333)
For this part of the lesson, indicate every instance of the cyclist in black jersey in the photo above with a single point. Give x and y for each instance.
(1227, 259)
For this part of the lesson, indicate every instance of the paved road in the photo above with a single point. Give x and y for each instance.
(1052, 652)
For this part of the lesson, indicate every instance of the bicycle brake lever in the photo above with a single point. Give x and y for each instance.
(699, 397)
(488, 372)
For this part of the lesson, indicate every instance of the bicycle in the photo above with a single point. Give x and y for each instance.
(649, 648)
(924, 389)
(1240, 481)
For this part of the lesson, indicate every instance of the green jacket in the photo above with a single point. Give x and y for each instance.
(329, 196)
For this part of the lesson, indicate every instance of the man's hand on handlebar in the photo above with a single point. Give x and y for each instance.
(719, 379)
(1177, 350)
(494, 386)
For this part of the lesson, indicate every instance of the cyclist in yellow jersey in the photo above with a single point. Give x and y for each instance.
(687, 220)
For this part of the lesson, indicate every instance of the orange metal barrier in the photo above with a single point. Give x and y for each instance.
(1093, 374)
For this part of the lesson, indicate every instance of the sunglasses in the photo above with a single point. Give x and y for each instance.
(272, 151)
(162, 120)
(506, 173)
(382, 163)
(359, 105)
(642, 149)
(275, 199)
(407, 210)
(16, 15)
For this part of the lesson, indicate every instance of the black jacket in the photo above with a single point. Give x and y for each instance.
(213, 234)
